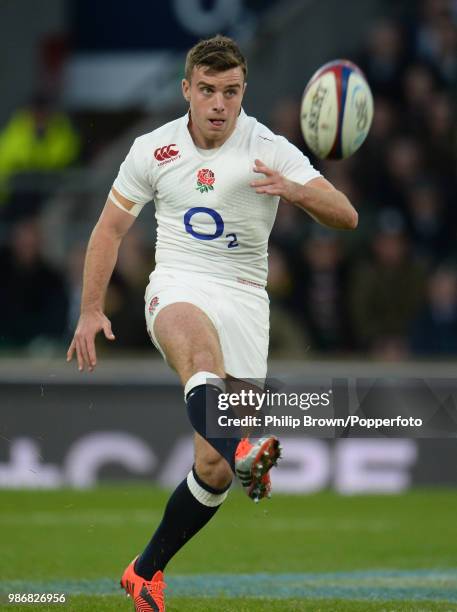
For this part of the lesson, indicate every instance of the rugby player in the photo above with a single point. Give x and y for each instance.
(216, 176)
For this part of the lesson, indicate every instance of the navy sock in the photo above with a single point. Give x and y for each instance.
(202, 405)
(192, 504)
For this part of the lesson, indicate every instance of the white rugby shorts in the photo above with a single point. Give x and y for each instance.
(238, 310)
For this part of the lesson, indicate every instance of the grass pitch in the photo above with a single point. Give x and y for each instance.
(317, 553)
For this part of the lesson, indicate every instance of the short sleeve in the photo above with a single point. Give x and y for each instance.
(292, 164)
(132, 181)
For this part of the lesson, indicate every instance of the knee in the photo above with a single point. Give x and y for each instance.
(213, 469)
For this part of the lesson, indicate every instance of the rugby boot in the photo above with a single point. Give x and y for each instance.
(252, 464)
(147, 595)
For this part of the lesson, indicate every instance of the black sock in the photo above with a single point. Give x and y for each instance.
(192, 504)
(202, 401)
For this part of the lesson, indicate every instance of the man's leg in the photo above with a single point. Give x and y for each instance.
(192, 348)
(191, 345)
(189, 340)
(193, 503)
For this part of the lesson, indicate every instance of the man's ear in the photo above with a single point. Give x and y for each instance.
(185, 89)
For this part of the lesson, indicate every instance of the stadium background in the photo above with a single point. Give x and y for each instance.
(79, 81)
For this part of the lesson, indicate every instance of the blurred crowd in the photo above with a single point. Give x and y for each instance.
(388, 290)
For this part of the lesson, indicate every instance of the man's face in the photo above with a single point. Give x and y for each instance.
(215, 101)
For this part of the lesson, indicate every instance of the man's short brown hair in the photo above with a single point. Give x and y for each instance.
(218, 53)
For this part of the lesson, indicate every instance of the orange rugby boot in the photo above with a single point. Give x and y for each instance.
(252, 464)
(147, 595)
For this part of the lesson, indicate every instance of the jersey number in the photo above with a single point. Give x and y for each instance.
(217, 220)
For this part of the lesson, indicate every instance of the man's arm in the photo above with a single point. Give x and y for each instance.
(101, 258)
(318, 197)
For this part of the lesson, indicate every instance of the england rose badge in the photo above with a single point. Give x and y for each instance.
(205, 180)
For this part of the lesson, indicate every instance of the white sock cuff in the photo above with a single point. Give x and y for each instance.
(203, 378)
(202, 495)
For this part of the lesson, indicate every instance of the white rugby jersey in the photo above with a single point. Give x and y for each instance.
(209, 219)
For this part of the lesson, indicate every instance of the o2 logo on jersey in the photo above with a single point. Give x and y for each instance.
(219, 223)
(208, 211)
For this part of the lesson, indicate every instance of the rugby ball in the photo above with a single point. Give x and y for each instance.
(337, 110)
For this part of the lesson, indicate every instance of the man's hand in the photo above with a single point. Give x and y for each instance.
(275, 184)
(89, 324)
(101, 257)
(318, 197)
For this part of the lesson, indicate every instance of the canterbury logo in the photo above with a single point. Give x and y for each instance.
(166, 152)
